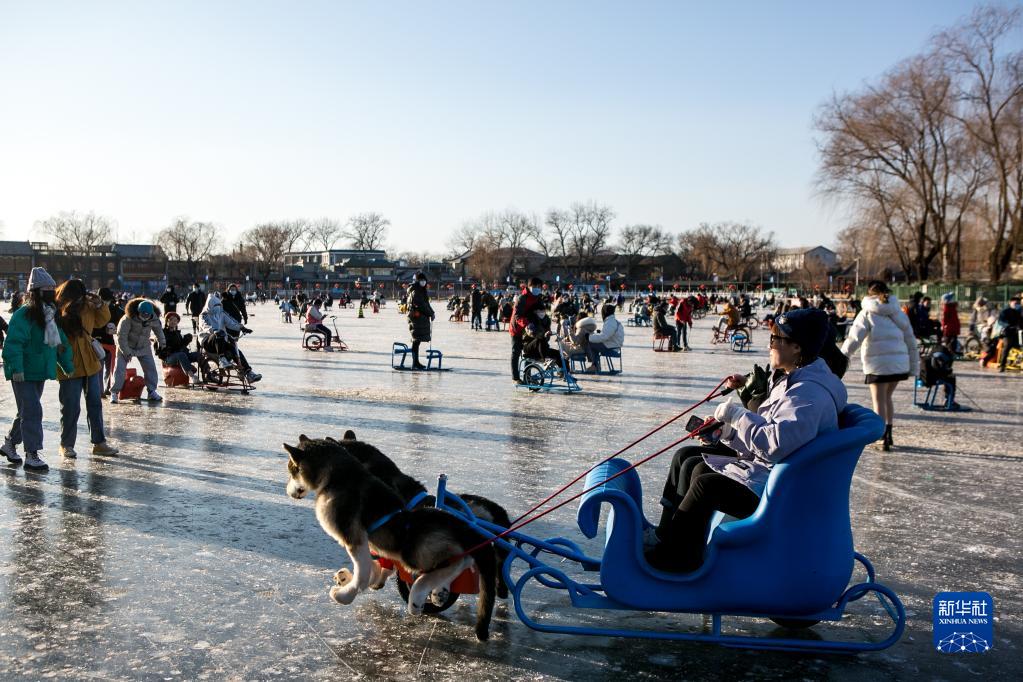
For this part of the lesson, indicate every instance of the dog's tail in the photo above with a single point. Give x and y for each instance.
(486, 564)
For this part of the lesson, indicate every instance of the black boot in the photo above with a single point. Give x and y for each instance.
(886, 444)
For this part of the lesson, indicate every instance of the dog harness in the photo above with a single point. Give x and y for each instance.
(376, 525)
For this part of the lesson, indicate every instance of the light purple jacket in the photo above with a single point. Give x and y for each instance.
(800, 406)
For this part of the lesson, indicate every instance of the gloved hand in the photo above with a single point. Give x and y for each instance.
(729, 412)
(18, 376)
(246, 330)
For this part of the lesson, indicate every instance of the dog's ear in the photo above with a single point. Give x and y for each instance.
(303, 439)
(295, 453)
(349, 435)
(332, 440)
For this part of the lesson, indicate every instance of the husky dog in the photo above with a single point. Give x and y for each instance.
(350, 501)
(381, 466)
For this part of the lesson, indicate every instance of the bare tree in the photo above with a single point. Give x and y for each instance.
(989, 88)
(77, 233)
(636, 242)
(464, 239)
(367, 231)
(268, 243)
(729, 249)
(589, 231)
(896, 145)
(296, 231)
(188, 240)
(324, 232)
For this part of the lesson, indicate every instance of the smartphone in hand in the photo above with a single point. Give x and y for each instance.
(709, 434)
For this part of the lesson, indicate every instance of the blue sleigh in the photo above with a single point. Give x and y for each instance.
(791, 561)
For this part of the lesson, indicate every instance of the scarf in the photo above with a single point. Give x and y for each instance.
(51, 335)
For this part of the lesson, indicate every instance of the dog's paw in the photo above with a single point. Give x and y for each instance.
(343, 577)
(439, 596)
(343, 595)
(415, 609)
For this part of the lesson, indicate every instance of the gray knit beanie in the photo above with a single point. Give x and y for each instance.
(39, 279)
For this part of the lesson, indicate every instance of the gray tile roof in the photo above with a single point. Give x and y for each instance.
(8, 248)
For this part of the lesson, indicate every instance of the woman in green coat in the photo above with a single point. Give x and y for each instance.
(33, 349)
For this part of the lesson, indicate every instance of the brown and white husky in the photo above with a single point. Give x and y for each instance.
(384, 468)
(350, 501)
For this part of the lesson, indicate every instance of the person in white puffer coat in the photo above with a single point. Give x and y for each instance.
(884, 335)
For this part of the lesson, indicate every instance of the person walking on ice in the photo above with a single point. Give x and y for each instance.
(33, 349)
(140, 319)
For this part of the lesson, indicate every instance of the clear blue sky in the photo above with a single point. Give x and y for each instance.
(674, 113)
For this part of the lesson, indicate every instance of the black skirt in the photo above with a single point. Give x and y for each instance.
(884, 378)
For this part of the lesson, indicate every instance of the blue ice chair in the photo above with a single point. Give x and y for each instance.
(399, 349)
(792, 558)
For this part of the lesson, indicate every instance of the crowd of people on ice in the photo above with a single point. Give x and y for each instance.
(85, 340)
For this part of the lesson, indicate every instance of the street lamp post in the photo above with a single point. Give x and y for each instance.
(857, 285)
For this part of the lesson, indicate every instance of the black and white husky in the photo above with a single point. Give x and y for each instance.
(350, 504)
(384, 468)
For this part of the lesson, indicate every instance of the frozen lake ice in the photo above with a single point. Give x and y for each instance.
(183, 558)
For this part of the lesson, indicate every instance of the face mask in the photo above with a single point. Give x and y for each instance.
(232, 291)
(421, 282)
(145, 317)
(541, 314)
(49, 297)
(535, 291)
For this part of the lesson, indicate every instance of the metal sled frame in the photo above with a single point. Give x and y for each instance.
(402, 350)
(663, 592)
(539, 378)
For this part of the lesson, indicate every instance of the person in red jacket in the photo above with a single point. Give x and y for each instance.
(523, 317)
(683, 321)
(950, 322)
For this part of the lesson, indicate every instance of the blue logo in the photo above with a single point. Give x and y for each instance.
(963, 622)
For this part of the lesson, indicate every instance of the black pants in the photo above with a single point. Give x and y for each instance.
(322, 328)
(477, 321)
(1010, 341)
(516, 354)
(692, 493)
(681, 335)
(415, 354)
(225, 346)
(544, 353)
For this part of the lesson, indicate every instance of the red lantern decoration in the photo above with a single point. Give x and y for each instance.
(381, 286)
(622, 287)
(650, 287)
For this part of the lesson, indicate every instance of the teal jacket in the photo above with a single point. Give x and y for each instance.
(26, 352)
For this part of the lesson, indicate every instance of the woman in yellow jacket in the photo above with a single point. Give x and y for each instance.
(79, 313)
(729, 317)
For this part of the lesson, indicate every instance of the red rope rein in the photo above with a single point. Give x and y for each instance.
(519, 523)
(710, 396)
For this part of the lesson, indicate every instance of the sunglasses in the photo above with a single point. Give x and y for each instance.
(775, 339)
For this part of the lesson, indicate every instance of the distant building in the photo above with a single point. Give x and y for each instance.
(804, 258)
(331, 259)
(339, 268)
(140, 268)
